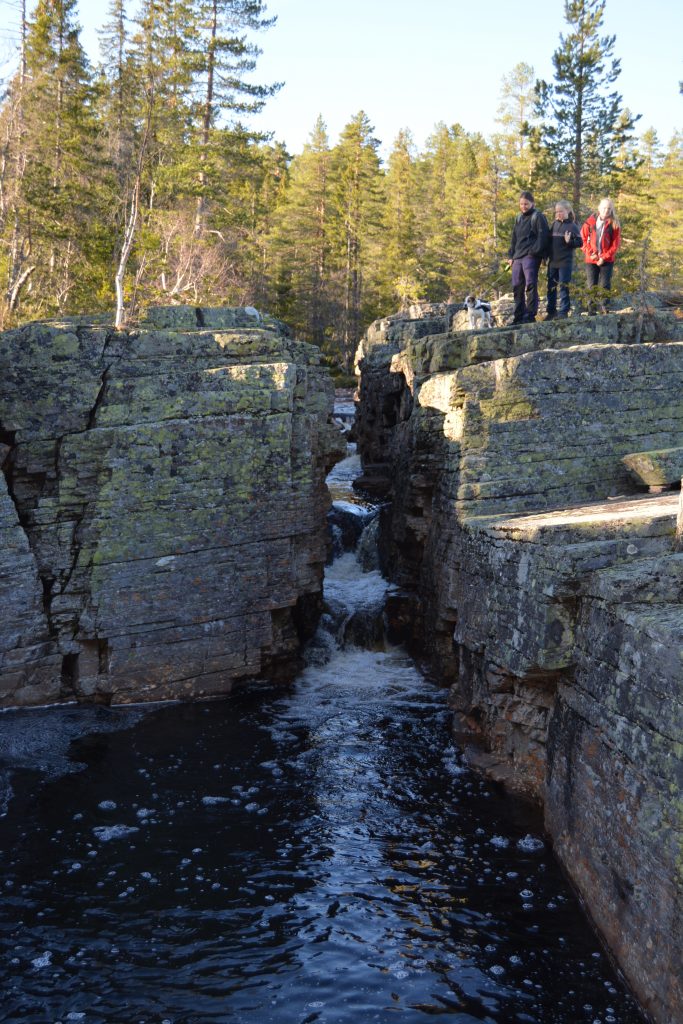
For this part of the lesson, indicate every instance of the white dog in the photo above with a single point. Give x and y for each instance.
(479, 312)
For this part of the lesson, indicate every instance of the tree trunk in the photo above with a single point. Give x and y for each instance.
(206, 121)
(129, 237)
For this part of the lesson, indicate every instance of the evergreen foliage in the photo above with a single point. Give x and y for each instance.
(583, 125)
(142, 182)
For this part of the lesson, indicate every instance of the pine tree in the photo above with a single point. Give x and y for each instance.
(357, 202)
(457, 185)
(667, 222)
(434, 228)
(301, 240)
(400, 268)
(583, 125)
(517, 114)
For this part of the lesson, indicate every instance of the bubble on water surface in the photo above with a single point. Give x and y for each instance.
(531, 844)
(105, 833)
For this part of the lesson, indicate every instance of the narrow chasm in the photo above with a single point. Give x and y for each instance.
(319, 854)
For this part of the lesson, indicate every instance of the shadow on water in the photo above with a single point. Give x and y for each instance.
(312, 855)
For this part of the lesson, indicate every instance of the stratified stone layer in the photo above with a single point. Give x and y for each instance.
(548, 587)
(163, 508)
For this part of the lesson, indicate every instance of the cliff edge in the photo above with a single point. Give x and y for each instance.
(162, 505)
(533, 485)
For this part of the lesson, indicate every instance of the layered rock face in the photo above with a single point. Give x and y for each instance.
(548, 588)
(162, 505)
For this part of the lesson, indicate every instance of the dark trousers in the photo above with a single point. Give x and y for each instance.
(525, 288)
(599, 277)
(559, 276)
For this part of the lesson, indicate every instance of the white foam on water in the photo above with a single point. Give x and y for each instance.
(105, 833)
(531, 844)
(42, 961)
(346, 583)
(362, 669)
(341, 477)
(451, 762)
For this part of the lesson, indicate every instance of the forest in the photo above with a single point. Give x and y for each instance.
(138, 181)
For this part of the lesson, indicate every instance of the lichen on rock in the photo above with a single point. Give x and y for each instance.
(548, 585)
(163, 511)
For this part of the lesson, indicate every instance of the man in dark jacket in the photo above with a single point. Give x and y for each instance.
(527, 249)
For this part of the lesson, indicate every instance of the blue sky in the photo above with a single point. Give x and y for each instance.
(413, 63)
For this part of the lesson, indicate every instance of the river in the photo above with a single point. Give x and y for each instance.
(318, 854)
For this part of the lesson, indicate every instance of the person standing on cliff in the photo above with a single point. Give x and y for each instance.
(527, 248)
(601, 234)
(564, 238)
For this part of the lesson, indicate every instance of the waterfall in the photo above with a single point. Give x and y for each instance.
(354, 590)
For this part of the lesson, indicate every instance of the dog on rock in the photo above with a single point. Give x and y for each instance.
(478, 312)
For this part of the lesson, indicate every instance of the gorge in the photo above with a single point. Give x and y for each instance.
(164, 538)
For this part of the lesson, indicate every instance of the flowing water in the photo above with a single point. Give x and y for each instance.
(313, 855)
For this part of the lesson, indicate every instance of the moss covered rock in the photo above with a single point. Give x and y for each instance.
(164, 504)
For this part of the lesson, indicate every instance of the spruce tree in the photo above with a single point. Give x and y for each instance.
(57, 204)
(224, 57)
(583, 128)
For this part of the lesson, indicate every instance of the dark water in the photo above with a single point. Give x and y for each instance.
(319, 855)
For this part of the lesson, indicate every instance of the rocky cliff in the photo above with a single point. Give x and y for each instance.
(547, 587)
(162, 505)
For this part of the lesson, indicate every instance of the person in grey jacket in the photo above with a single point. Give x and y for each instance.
(527, 248)
(564, 238)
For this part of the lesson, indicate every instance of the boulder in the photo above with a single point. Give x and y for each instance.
(658, 469)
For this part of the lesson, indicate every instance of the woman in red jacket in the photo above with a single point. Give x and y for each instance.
(601, 236)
